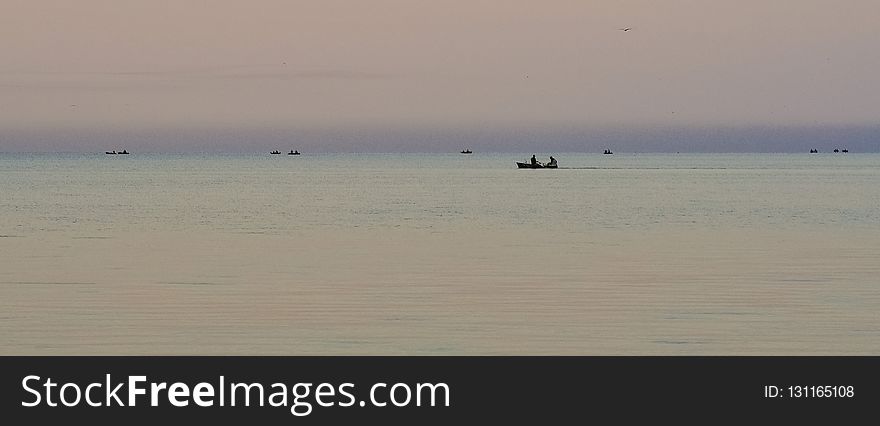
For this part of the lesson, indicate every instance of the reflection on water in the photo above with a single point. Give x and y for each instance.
(439, 254)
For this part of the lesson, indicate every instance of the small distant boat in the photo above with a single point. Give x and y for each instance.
(124, 152)
(845, 150)
(814, 151)
(110, 152)
(293, 153)
(607, 152)
(536, 166)
(467, 151)
(275, 152)
(836, 150)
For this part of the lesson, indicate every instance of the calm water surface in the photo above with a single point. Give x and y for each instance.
(439, 254)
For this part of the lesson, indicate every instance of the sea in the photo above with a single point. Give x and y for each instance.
(439, 254)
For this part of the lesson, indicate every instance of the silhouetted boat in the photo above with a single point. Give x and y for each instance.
(467, 151)
(124, 152)
(536, 166)
(110, 152)
(293, 153)
(275, 152)
(836, 150)
(607, 152)
(845, 150)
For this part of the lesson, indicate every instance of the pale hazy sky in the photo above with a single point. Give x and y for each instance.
(359, 75)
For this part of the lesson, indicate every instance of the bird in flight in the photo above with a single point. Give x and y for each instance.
(626, 29)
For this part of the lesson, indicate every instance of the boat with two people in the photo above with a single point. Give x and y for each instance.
(535, 164)
(276, 152)
(293, 153)
(607, 152)
(467, 151)
(124, 152)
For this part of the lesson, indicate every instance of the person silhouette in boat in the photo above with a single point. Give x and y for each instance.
(552, 161)
(534, 161)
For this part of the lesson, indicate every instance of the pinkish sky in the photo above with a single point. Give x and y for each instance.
(364, 75)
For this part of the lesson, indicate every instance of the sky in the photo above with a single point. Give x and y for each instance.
(413, 75)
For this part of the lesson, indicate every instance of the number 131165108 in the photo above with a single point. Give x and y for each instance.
(809, 391)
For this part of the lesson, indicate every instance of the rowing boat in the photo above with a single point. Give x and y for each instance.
(535, 166)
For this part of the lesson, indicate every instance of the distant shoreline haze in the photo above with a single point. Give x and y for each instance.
(374, 139)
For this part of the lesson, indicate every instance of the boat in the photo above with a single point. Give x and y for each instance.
(536, 166)
(293, 153)
(110, 152)
(467, 151)
(124, 152)
(607, 152)
(275, 152)
(844, 151)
